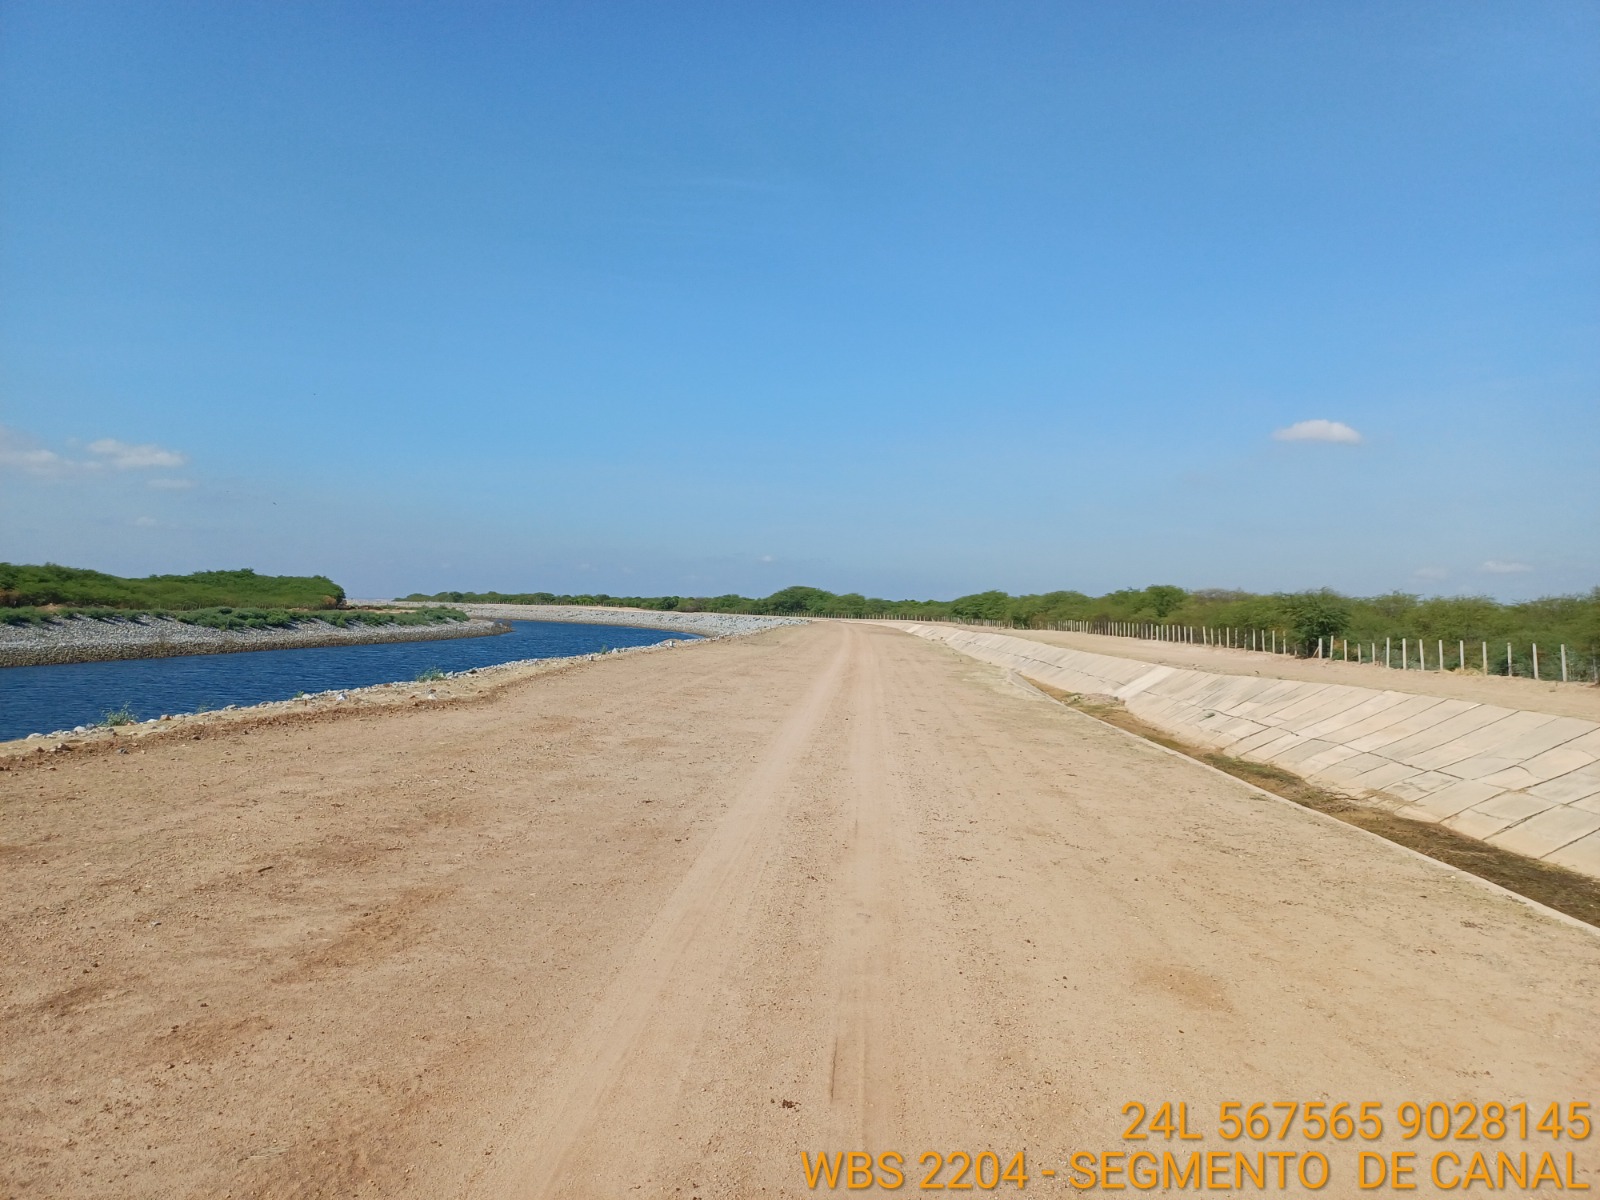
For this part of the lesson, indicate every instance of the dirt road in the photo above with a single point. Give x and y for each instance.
(659, 925)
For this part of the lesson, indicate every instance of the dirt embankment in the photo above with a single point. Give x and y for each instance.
(659, 924)
(82, 639)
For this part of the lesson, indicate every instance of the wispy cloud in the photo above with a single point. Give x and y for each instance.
(164, 484)
(1496, 567)
(26, 455)
(1318, 430)
(21, 453)
(126, 457)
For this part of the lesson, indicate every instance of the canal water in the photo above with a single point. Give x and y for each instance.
(45, 699)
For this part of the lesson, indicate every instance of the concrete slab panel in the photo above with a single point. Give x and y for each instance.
(1316, 706)
(1193, 686)
(1236, 687)
(1571, 787)
(1464, 746)
(1279, 692)
(1517, 723)
(1269, 751)
(1389, 725)
(1419, 748)
(1475, 824)
(1480, 766)
(1296, 755)
(1589, 743)
(1255, 741)
(1581, 855)
(1425, 783)
(1338, 722)
(1145, 682)
(1318, 763)
(1452, 799)
(1412, 813)
(1513, 806)
(1560, 761)
(1548, 831)
(1435, 714)
(1513, 779)
(1238, 729)
(1380, 778)
(1355, 766)
(1244, 702)
(1555, 732)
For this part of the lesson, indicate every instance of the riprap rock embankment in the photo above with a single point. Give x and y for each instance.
(82, 639)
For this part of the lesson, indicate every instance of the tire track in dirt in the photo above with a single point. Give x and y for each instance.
(867, 916)
(690, 939)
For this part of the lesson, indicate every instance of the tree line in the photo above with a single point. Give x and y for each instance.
(28, 585)
(1303, 616)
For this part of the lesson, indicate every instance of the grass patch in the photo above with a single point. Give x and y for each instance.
(1564, 890)
(431, 675)
(119, 716)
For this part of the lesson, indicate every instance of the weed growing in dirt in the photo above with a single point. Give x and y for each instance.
(122, 715)
(431, 675)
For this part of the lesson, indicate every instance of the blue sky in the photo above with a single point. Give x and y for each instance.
(908, 298)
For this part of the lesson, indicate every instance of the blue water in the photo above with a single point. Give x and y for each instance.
(44, 699)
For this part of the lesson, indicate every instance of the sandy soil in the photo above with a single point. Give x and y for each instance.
(1562, 699)
(657, 924)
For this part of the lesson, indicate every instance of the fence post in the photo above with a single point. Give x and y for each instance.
(1509, 671)
(1405, 654)
(1563, 662)
(1388, 645)
(1461, 655)
(1536, 660)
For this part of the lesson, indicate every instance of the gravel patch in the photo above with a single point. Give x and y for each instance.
(81, 639)
(705, 624)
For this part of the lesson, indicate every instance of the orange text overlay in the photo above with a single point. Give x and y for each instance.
(1271, 1145)
(1193, 1171)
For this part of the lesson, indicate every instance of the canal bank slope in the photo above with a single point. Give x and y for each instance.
(705, 624)
(1522, 780)
(84, 639)
(657, 924)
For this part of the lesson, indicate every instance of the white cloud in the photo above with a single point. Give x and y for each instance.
(144, 522)
(1318, 431)
(125, 457)
(19, 452)
(24, 454)
(1495, 567)
(169, 485)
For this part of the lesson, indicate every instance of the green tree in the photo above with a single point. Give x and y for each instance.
(982, 606)
(1313, 615)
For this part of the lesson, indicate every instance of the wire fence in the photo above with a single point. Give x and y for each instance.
(1553, 663)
